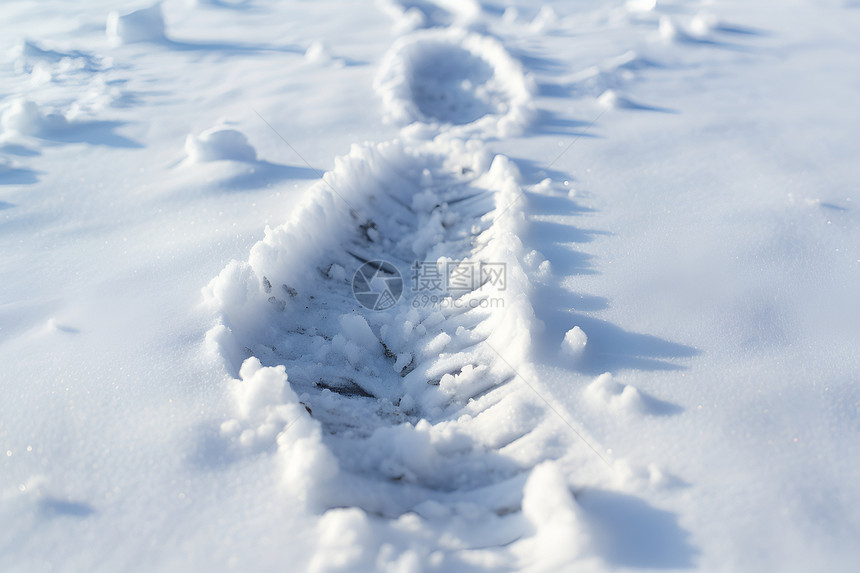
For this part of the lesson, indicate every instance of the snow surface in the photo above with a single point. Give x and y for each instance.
(667, 378)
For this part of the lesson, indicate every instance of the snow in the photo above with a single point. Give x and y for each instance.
(143, 25)
(663, 376)
(219, 143)
(615, 396)
(453, 77)
(548, 505)
(25, 117)
(574, 343)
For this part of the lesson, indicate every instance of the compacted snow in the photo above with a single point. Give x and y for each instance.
(429, 286)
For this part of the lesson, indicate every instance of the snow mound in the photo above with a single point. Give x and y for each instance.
(269, 412)
(616, 396)
(144, 25)
(574, 343)
(217, 144)
(26, 117)
(466, 82)
(560, 532)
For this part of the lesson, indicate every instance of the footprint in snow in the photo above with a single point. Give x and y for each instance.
(461, 82)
